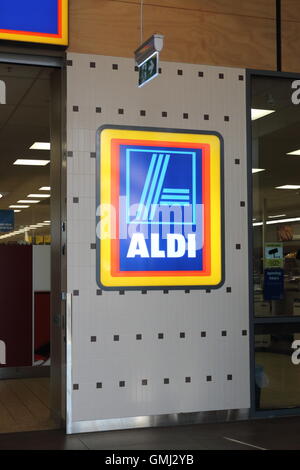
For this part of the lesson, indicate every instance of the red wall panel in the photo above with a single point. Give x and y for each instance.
(16, 304)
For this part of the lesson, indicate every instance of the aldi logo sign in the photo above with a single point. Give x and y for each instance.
(159, 208)
(41, 21)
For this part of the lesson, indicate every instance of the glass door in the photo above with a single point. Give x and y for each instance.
(31, 182)
(275, 133)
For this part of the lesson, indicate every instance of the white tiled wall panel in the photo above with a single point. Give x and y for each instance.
(208, 368)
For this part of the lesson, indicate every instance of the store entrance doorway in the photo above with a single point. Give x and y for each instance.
(31, 347)
(275, 123)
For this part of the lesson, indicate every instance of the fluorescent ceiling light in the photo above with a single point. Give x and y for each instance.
(281, 221)
(28, 201)
(260, 113)
(288, 186)
(278, 221)
(17, 210)
(29, 162)
(257, 170)
(47, 221)
(1, 195)
(40, 146)
(38, 195)
(18, 207)
(295, 152)
(274, 216)
(45, 188)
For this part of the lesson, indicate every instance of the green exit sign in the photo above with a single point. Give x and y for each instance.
(148, 69)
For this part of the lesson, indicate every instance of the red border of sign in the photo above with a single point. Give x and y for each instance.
(115, 188)
(31, 33)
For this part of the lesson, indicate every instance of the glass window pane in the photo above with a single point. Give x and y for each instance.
(276, 197)
(277, 372)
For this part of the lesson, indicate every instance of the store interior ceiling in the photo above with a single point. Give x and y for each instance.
(273, 137)
(25, 119)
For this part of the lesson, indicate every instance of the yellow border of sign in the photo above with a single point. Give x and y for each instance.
(215, 278)
(63, 40)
